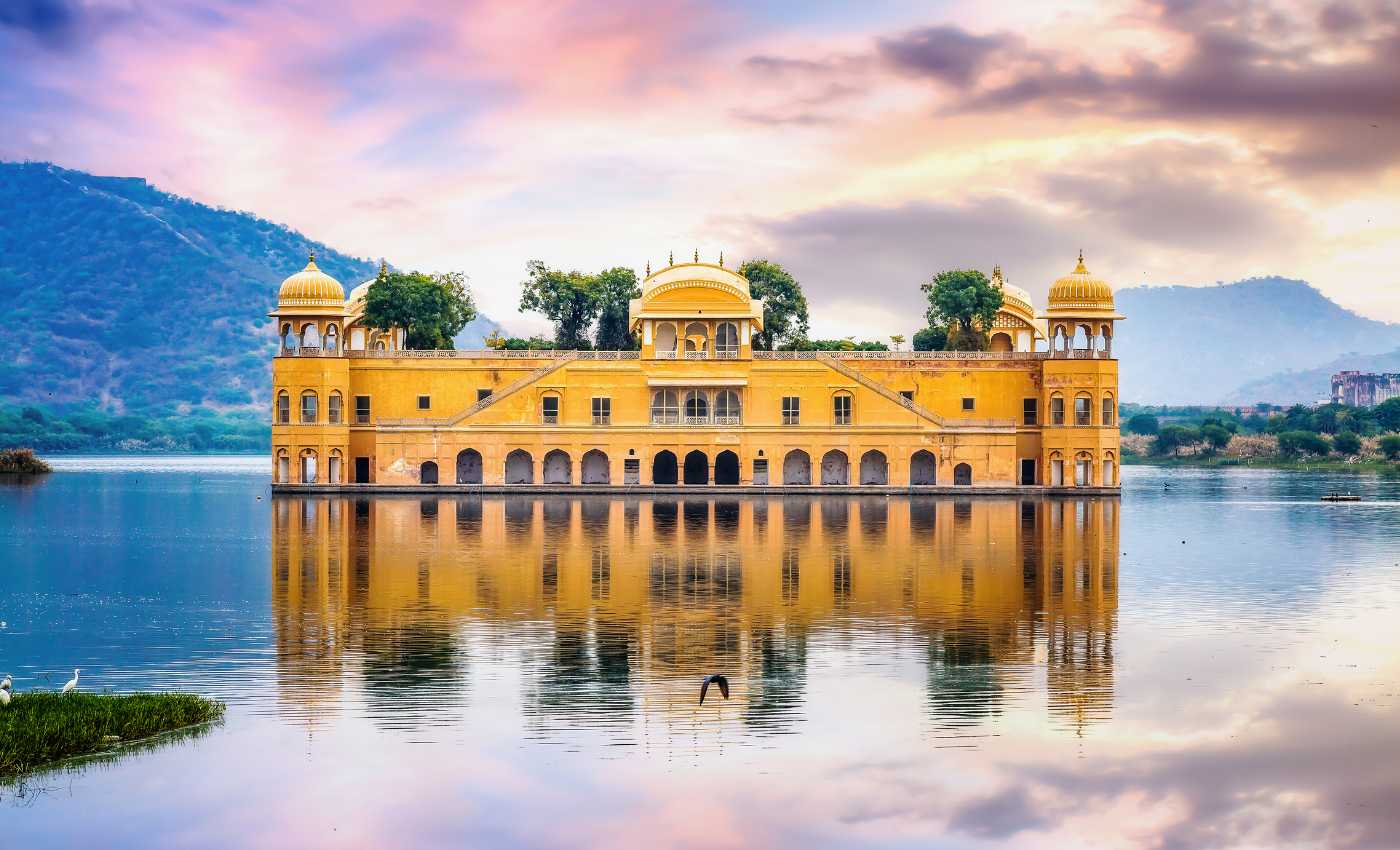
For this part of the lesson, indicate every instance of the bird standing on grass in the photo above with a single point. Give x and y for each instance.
(4, 696)
(718, 679)
(7, 683)
(72, 683)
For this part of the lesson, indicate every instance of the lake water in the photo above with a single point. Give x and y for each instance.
(1213, 661)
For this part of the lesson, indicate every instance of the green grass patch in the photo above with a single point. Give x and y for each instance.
(38, 729)
(1313, 464)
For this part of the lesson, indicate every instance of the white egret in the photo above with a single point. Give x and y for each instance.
(7, 684)
(72, 683)
(4, 697)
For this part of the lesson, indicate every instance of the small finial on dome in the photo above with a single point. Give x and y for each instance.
(670, 258)
(721, 259)
(697, 255)
(1079, 269)
(648, 268)
(996, 274)
(311, 257)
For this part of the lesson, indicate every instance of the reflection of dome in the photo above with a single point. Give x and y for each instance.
(1080, 290)
(311, 287)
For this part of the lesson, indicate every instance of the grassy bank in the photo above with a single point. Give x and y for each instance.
(38, 729)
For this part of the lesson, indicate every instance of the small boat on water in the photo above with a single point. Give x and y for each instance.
(1341, 497)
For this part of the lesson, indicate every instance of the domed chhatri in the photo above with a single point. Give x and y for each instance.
(1079, 290)
(311, 287)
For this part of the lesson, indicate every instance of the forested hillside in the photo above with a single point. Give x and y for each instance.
(134, 300)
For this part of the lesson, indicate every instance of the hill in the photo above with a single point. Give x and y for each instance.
(1306, 386)
(132, 300)
(1200, 344)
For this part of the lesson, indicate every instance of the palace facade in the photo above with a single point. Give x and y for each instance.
(697, 405)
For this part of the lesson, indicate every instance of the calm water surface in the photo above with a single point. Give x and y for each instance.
(1211, 662)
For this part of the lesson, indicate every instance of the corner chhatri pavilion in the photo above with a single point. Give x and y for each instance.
(697, 406)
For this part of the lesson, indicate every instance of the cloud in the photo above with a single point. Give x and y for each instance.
(946, 53)
(998, 816)
(58, 24)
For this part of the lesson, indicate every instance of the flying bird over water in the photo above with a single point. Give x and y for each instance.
(72, 683)
(718, 679)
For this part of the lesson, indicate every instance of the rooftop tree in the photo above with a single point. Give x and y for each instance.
(568, 299)
(431, 308)
(784, 306)
(966, 303)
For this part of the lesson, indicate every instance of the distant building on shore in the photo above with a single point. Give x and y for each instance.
(1364, 389)
(698, 404)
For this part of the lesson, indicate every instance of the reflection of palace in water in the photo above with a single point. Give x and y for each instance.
(616, 607)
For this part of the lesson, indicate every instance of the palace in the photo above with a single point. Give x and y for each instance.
(697, 406)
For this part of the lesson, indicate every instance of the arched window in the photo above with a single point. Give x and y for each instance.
(665, 340)
(289, 339)
(727, 408)
(836, 468)
(874, 469)
(923, 468)
(283, 467)
(1110, 470)
(663, 467)
(1083, 338)
(308, 408)
(557, 467)
(696, 468)
(308, 466)
(469, 466)
(333, 467)
(310, 337)
(594, 468)
(697, 339)
(697, 407)
(797, 467)
(962, 475)
(1000, 341)
(1057, 409)
(428, 472)
(549, 408)
(284, 408)
(520, 467)
(1083, 409)
(332, 339)
(727, 340)
(1110, 410)
(1057, 470)
(1083, 469)
(333, 408)
(842, 408)
(665, 408)
(727, 468)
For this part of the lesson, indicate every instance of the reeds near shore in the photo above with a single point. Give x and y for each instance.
(22, 462)
(38, 729)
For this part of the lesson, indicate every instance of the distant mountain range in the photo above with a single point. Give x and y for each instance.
(121, 295)
(1263, 339)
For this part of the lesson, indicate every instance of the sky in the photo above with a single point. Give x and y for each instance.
(865, 146)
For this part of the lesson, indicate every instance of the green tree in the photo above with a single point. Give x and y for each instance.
(1216, 435)
(568, 299)
(615, 288)
(1387, 414)
(1346, 443)
(1142, 423)
(966, 302)
(1172, 437)
(431, 308)
(1294, 443)
(1390, 446)
(784, 306)
(896, 341)
(931, 338)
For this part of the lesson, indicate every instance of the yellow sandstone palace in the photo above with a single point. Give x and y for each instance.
(697, 405)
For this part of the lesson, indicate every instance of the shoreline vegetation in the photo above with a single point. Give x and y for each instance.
(22, 462)
(38, 730)
(1329, 437)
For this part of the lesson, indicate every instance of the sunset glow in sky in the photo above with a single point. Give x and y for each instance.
(864, 145)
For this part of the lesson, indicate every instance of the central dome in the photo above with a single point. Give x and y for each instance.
(311, 287)
(1081, 290)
